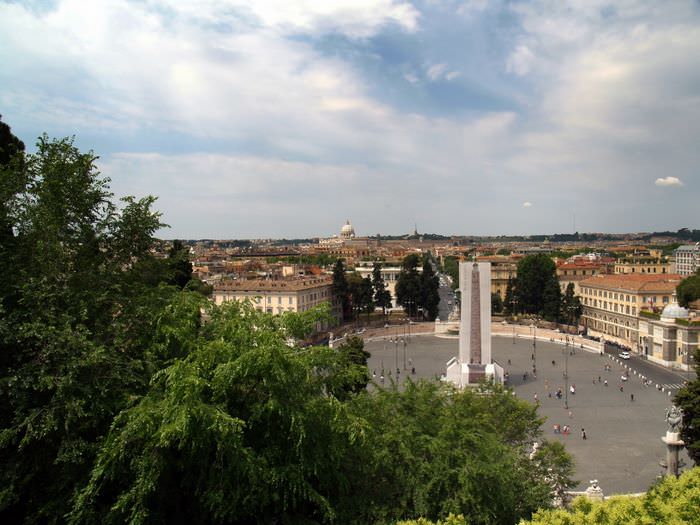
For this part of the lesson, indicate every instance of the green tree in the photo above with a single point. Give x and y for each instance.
(10, 145)
(537, 286)
(689, 289)
(382, 296)
(669, 501)
(179, 264)
(354, 356)
(496, 303)
(688, 400)
(341, 289)
(450, 266)
(571, 307)
(510, 302)
(361, 294)
(241, 430)
(82, 324)
(429, 298)
(408, 284)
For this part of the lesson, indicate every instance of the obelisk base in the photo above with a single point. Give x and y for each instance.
(673, 446)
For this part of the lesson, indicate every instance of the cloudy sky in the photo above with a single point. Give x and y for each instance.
(264, 118)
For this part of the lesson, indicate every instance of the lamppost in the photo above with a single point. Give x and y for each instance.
(396, 353)
(404, 354)
(534, 347)
(572, 308)
(512, 312)
(566, 374)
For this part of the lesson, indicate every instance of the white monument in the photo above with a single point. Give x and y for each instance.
(474, 363)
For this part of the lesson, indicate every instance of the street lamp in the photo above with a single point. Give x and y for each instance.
(404, 354)
(566, 374)
(512, 312)
(534, 347)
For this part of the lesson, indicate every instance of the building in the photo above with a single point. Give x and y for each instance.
(390, 274)
(612, 303)
(687, 259)
(577, 271)
(643, 264)
(503, 268)
(275, 296)
(670, 338)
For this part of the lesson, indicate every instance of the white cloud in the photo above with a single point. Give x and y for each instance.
(527, 205)
(668, 181)
(435, 71)
(520, 61)
(452, 75)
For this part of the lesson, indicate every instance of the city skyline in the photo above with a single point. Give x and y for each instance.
(266, 120)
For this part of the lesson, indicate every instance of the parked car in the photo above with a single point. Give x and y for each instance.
(624, 354)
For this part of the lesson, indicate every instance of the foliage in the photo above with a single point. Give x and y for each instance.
(341, 289)
(571, 308)
(537, 287)
(688, 290)
(382, 296)
(429, 298)
(408, 285)
(10, 145)
(688, 400)
(85, 321)
(354, 356)
(432, 450)
(240, 430)
(510, 302)
(672, 501)
(496, 303)
(361, 294)
(450, 266)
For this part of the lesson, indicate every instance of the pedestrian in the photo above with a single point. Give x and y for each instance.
(631, 397)
(413, 370)
(508, 362)
(536, 398)
(622, 388)
(583, 434)
(571, 414)
(605, 382)
(525, 376)
(554, 363)
(598, 379)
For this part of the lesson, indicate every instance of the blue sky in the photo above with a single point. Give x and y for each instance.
(283, 118)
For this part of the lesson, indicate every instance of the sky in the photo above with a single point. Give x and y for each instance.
(262, 118)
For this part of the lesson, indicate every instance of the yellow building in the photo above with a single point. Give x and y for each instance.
(643, 264)
(612, 303)
(277, 296)
(503, 267)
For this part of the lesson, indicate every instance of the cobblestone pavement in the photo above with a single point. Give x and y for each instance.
(624, 445)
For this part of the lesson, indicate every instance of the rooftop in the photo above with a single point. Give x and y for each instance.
(272, 285)
(635, 282)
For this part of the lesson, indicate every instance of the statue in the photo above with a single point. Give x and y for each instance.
(674, 418)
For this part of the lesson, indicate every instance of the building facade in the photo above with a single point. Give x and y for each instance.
(687, 259)
(503, 268)
(671, 338)
(643, 264)
(612, 304)
(276, 296)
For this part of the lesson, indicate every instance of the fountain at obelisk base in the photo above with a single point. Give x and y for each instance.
(474, 363)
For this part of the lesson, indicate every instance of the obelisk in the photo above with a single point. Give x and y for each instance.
(475, 326)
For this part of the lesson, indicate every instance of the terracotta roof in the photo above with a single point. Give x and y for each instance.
(635, 282)
(269, 285)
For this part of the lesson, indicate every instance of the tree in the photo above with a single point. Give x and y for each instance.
(688, 400)
(180, 265)
(669, 501)
(429, 298)
(340, 288)
(361, 294)
(689, 289)
(354, 356)
(408, 285)
(84, 324)
(571, 308)
(244, 429)
(382, 296)
(450, 266)
(537, 286)
(10, 145)
(510, 302)
(496, 303)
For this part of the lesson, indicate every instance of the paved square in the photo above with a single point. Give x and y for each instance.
(624, 445)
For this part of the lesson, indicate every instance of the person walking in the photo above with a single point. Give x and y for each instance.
(583, 434)
(631, 397)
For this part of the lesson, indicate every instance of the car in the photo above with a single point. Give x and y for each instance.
(624, 354)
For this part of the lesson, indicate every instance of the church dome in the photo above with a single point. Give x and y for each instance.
(347, 230)
(674, 311)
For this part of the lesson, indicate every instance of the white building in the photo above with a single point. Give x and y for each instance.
(687, 259)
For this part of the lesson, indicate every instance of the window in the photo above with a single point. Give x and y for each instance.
(269, 299)
(665, 299)
(290, 300)
(279, 300)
